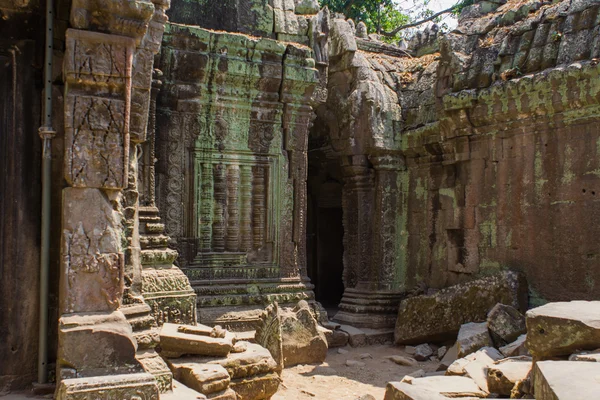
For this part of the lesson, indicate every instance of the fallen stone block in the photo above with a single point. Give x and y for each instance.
(488, 354)
(204, 378)
(477, 368)
(505, 324)
(566, 380)
(438, 317)
(177, 340)
(449, 386)
(182, 392)
(122, 387)
(253, 372)
(562, 328)
(516, 348)
(79, 336)
(303, 341)
(405, 391)
(423, 352)
(593, 356)
(472, 337)
(504, 375)
(336, 338)
(356, 337)
(268, 334)
(450, 356)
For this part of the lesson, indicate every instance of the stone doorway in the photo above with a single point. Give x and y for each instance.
(325, 235)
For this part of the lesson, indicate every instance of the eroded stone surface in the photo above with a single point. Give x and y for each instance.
(449, 386)
(176, 340)
(516, 348)
(207, 379)
(438, 316)
(503, 375)
(126, 387)
(571, 380)
(505, 324)
(472, 337)
(405, 391)
(557, 329)
(303, 342)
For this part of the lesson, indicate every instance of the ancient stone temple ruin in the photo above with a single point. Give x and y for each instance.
(193, 185)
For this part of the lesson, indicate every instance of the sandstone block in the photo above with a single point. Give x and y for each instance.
(449, 386)
(438, 317)
(561, 328)
(176, 340)
(356, 337)
(516, 348)
(449, 357)
(204, 378)
(336, 338)
(472, 337)
(593, 356)
(79, 336)
(252, 372)
(122, 387)
(423, 352)
(488, 355)
(303, 342)
(505, 323)
(569, 380)
(504, 374)
(405, 391)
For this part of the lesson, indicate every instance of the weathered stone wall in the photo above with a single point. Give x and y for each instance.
(508, 177)
(233, 119)
(497, 145)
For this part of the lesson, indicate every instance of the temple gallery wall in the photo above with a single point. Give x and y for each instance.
(203, 162)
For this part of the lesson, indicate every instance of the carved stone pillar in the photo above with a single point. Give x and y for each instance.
(372, 245)
(106, 98)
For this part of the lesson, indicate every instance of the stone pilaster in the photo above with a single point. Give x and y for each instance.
(107, 62)
(373, 277)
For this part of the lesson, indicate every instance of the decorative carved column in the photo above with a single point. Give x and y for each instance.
(107, 94)
(372, 242)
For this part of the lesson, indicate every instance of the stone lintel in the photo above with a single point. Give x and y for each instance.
(123, 387)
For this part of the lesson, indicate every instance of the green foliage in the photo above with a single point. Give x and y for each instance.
(378, 15)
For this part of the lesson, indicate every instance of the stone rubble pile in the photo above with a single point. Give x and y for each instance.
(551, 353)
(212, 363)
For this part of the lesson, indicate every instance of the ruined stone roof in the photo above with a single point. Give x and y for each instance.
(518, 38)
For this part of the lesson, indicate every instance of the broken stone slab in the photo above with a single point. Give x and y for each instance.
(516, 348)
(204, 378)
(505, 324)
(450, 356)
(569, 380)
(438, 317)
(423, 352)
(154, 364)
(449, 386)
(472, 337)
(123, 386)
(356, 337)
(562, 328)
(406, 391)
(177, 340)
(182, 392)
(303, 341)
(487, 354)
(336, 338)
(78, 349)
(268, 334)
(504, 374)
(593, 356)
(253, 372)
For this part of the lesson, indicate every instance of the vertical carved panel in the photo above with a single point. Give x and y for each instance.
(258, 205)
(97, 127)
(233, 212)
(220, 203)
(206, 207)
(246, 209)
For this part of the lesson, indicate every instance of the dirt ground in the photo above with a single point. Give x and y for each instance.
(334, 380)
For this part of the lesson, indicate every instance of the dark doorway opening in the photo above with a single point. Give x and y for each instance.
(325, 244)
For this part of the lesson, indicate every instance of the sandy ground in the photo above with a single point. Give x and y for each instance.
(333, 380)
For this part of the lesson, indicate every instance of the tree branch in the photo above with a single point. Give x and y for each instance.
(413, 24)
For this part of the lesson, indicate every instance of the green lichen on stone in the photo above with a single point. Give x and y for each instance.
(488, 230)
(568, 175)
(420, 190)
(538, 173)
(450, 193)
